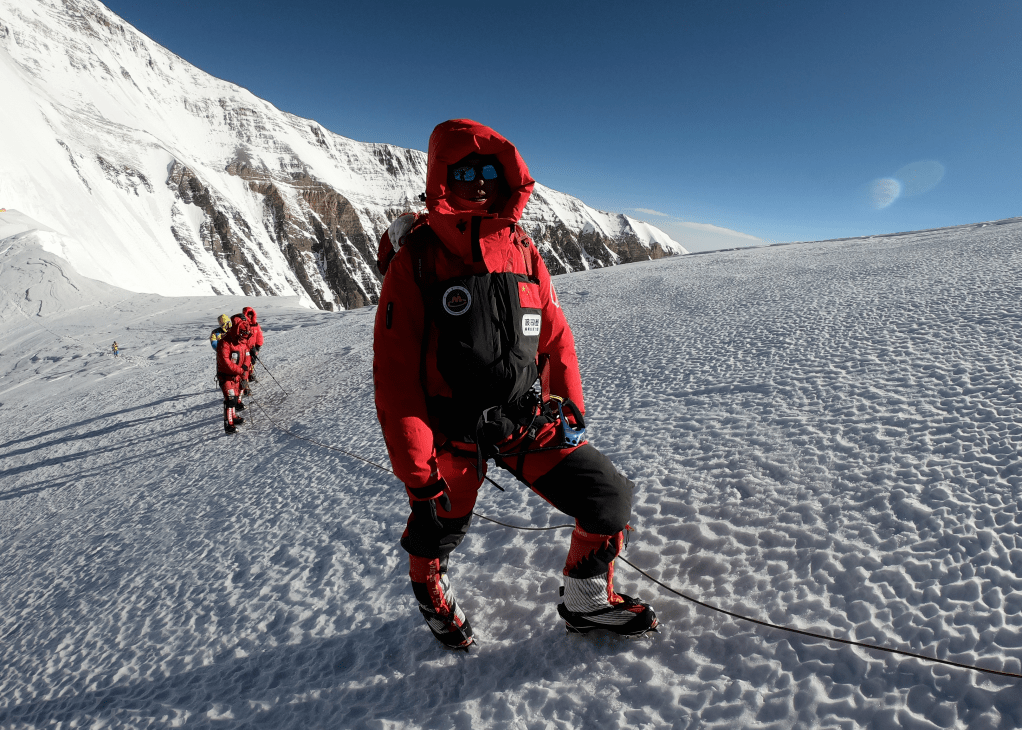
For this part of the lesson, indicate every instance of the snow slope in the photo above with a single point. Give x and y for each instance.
(824, 435)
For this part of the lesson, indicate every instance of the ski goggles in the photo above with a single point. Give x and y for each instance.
(468, 173)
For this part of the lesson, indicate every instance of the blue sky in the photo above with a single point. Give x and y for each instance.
(801, 120)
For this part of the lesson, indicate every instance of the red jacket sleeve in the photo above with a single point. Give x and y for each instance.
(556, 340)
(400, 400)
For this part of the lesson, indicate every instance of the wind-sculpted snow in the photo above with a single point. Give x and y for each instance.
(823, 435)
(165, 179)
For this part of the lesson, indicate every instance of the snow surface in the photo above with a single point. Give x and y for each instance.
(824, 435)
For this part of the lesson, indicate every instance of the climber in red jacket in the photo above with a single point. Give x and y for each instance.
(255, 341)
(230, 369)
(468, 324)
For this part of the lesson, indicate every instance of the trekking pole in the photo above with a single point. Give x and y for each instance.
(260, 361)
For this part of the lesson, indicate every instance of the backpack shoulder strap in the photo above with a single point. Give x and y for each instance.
(521, 239)
(422, 244)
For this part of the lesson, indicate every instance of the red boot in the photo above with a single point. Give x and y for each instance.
(589, 599)
(443, 616)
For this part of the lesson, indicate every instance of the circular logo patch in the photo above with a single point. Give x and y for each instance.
(457, 300)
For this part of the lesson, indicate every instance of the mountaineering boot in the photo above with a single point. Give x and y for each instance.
(432, 589)
(240, 406)
(588, 597)
(628, 617)
(231, 420)
(229, 426)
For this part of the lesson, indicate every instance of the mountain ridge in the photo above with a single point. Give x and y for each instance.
(175, 182)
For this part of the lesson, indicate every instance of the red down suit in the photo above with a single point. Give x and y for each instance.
(231, 354)
(256, 336)
(401, 400)
(429, 389)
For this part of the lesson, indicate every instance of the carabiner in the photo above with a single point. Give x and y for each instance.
(572, 435)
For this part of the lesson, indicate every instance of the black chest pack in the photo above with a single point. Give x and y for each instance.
(487, 332)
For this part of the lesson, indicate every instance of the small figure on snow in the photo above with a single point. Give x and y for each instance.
(246, 361)
(224, 324)
(230, 367)
(115, 348)
(468, 324)
(255, 340)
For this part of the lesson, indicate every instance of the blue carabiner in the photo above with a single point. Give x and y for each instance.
(572, 435)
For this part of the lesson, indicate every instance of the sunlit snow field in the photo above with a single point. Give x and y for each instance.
(823, 435)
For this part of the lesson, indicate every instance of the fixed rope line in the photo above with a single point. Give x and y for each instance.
(260, 361)
(354, 456)
(521, 527)
(732, 614)
(314, 441)
(59, 336)
(860, 644)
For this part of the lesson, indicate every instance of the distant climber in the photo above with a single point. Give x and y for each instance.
(255, 340)
(220, 330)
(230, 367)
(115, 348)
(247, 359)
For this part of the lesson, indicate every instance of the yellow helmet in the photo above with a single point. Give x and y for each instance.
(224, 320)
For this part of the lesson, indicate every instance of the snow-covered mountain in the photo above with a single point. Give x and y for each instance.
(161, 178)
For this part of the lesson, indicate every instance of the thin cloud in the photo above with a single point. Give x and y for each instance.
(710, 228)
(702, 227)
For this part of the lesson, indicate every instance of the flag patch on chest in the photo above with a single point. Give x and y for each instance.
(528, 295)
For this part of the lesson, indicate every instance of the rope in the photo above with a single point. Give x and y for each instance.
(59, 336)
(849, 642)
(520, 527)
(732, 614)
(259, 360)
(314, 441)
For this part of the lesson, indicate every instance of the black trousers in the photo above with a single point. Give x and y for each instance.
(583, 484)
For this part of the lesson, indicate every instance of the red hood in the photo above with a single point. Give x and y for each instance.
(239, 329)
(450, 142)
(250, 314)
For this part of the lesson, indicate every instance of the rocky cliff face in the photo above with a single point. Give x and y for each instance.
(166, 179)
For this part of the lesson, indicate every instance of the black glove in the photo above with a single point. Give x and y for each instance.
(425, 499)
